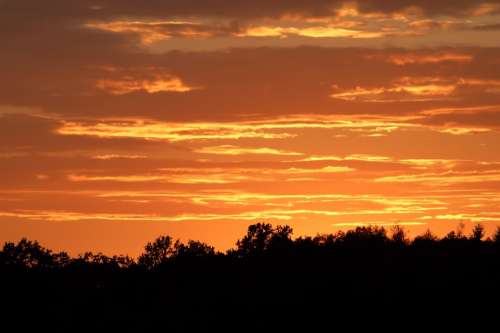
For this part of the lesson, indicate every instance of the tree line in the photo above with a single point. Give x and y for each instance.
(262, 240)
(269, 281)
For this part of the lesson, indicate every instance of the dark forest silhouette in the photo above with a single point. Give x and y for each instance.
(192, 287)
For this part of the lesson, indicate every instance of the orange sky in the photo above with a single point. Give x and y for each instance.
(124, 120)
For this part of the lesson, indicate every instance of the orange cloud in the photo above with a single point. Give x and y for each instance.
(404, 89)
(210, 175)
(154, 130)
(276, 128)
(367, 158)
(248, 199)
(444, 178)
(152, 31)
(117, 156)
(327, 169)
(464, 130)
(129, 84)
(461, 110)
(274, 214)
(406, 59)
(486, 8)
(172, 178)
(264, 129)
(321, 158)
(236, 150)
(353, 157)
(477, 218)
(421, 163)
(415, 89)
(490, 86)
(378, 224)
(313, 32)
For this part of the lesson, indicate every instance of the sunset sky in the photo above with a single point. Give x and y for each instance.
(121, 120)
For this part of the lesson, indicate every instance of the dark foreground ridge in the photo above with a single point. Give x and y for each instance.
(269, 282)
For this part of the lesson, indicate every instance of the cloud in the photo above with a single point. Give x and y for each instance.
(464, 130)
(327, 169)
(277, 128)
(414, 58)
(217, 95)
(404, 89)
(152, 130)
(58, 9)
(445, 8)
(444, 178)
(211, 175)
(312, 32)
(422, 163)
(341, 19)
(477, 218)
(352, 157)
(241, 198)
(418, 89)
(129, 85)
(173, 178)
(461, 110)
(463, 120)
(377, 224)
(152, 31)
(486, 27)
(236, 150)
(274, 214)
(117, 156)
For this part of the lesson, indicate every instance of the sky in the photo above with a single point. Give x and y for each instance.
(124, 120)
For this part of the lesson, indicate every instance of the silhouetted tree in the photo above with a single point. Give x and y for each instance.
(457, 235)
(306, 246)
(477, 233)
(123, 262)
(61, 259)
(398, 235)
(496, 236)
(99, 259)
(262, 237)
(363, 237)
(27, 254)
(281, 240)
(157, 253)
(193, 249)
(256, 240)
(426, 239)
(326, 241)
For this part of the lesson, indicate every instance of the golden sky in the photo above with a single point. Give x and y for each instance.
(122, 120)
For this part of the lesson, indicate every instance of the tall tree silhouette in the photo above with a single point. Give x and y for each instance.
(478, 233)
(399, 236)
(157, 253)
(27, 254)
(193, 249)
(262, 237)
